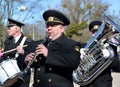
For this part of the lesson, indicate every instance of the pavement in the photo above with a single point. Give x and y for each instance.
(116, 80)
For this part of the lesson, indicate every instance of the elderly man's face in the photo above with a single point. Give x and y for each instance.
(12, 30)
(54, 31)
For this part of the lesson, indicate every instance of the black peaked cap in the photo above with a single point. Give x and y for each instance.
(51, 16)
(94, 25)
(12, 22)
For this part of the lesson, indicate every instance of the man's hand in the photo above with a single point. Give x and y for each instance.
(20, 49)
(29, 57)
(41, 49)
(1, 52)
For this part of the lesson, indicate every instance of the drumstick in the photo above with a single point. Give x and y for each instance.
(12, 50)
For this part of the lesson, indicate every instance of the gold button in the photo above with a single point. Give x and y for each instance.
(38, 80)
(38, 69)
(50, 69)
(49, 80)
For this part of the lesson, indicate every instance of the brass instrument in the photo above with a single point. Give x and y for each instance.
(94, 61)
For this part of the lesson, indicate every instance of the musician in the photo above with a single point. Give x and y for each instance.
(16, 39)
(113, 41)
(56, 60)
(105, 78)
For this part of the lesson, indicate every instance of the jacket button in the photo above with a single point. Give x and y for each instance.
(49, 80)
(38, 69)
(50, 69)
(40, 58)
(38, 80)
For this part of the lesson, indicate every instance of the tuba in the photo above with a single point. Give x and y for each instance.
(93, 60)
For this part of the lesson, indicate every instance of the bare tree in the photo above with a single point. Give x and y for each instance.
(81, 12)
(27, 10)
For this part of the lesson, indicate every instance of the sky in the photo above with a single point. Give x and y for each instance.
(114, 5)
(45, 5)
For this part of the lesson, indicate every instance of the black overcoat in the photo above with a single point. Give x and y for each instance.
(9, 45)
(56, 69)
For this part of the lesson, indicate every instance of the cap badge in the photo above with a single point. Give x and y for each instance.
(96, 27)
(50, 18)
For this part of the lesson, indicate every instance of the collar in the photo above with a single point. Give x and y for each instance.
(60, 40)
(17, 38)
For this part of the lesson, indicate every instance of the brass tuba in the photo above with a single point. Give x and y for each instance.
(94, 61)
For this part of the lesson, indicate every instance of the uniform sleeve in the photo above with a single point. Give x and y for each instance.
(115, 65)
(26, 51)
(70, 58)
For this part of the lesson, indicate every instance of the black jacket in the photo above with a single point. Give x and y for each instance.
(56, 70)
(9, 44)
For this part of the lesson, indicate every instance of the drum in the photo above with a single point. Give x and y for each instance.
(9, 72)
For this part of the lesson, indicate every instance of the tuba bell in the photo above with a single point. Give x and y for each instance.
(93, 60)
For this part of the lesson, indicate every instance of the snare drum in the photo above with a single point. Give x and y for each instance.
(9, 72)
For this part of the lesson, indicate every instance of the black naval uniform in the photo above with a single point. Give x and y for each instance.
(9, 44)
(56, 70)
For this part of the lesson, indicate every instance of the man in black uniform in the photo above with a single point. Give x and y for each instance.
(58, 58)
(105, 78)
(16, 40)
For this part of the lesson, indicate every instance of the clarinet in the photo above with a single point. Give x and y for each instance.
(45, 41)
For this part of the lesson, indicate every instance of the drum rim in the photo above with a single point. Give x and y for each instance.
(6, 61)
(15, 75)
